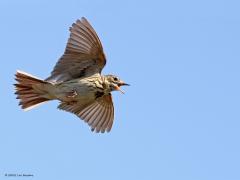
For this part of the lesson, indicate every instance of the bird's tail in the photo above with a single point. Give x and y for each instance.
(30, 90)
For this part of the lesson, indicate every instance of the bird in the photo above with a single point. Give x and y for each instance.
(76, 81)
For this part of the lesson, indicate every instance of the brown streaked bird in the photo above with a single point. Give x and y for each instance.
(75, 81)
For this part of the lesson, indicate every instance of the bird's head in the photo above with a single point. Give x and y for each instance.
(115, 83)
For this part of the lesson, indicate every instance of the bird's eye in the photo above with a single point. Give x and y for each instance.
(115, 79)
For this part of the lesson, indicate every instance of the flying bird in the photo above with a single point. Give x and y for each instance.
(76, 81)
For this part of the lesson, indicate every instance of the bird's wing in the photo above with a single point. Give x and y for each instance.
(83, 55)
(99, 114)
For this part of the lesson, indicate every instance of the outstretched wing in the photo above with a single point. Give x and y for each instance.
(99, 115)
(83, 55)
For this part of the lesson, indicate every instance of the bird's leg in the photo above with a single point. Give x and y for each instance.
(71, 97)
(71, 94)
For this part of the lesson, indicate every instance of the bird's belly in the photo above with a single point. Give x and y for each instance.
(76, 91)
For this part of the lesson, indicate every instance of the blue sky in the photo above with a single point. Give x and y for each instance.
(179, 119)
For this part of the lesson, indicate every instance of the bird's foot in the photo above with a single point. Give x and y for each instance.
(71, 94)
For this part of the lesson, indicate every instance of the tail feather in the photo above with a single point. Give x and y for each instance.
(28, 91)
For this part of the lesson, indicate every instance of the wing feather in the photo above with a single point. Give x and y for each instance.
(91, 115)
(104, 125)
(110, 123)
(100, 118)
(83, 55)
(84, 113)
(99, 114)
(98, 126)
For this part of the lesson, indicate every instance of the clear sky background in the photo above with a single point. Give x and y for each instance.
(179, 119)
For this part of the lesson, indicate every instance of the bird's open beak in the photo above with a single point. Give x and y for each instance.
(121, 83)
